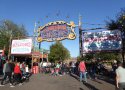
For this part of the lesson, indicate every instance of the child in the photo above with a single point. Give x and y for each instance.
(52, 72)
(27, 72)
(27, 69)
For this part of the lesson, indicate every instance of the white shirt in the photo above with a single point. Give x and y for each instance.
(73, 65)
(26, 68)
(44, 64)
(41, 64)
(120, 71)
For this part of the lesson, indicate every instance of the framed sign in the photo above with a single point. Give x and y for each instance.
(57, 30)
(22, 46)
(98, 41)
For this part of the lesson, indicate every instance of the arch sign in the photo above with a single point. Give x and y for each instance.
(58, 30)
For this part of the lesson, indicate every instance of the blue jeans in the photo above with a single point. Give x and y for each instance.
(73, 70)
(83, 74)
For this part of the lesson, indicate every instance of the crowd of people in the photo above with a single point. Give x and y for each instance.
(15, 73)
(117, 72)
(55, 69)
(94, 69)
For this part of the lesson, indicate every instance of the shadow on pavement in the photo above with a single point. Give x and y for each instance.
(107, 79)
(95, 80)
(75, 76)
(81, 89)
(91, 87)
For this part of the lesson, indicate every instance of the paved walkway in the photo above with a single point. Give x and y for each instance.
(66, 82)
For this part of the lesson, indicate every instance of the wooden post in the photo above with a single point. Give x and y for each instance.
(33, 48)
(80, 36)
(9, 52)
(123, 38)
(42, 54)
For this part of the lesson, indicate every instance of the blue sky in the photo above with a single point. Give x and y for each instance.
(26, 12)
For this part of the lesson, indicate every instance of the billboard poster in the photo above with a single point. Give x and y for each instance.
(97, 41)
(22, 46)
(58, 30)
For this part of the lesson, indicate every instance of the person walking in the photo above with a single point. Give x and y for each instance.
(18, 74)
(7, 73)
(73, 68)
(57, 68)
(22, 67)
(27, 74)
(120, 76)
(82, 69)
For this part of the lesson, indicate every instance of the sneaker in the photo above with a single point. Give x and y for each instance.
(12, 86)
(85, 81)
(60, 75)
(20, 84)
(1, 85)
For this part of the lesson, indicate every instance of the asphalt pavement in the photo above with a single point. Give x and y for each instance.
(65, 82)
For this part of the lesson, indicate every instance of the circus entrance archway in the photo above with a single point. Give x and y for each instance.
(56, 31)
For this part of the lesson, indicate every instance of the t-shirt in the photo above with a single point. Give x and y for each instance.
(17, 70)
(57, 66)
(82, 67)
(8, 68)
(121, 72)
(44, 64)
(73, 64)
(27, 69)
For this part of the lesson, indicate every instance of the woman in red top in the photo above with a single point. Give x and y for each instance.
(82, 69)
(18, 74)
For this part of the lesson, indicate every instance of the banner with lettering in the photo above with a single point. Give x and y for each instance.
(56, 31)
(23, 46)
(97, 41)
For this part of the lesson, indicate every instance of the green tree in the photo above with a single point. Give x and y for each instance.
(119, 24)
(107, 56)
(58, 52)
(8, 31)
(87, 57)
(99, 56)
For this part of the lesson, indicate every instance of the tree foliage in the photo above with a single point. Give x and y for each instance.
(107, 56)
(58, 52)
(8, 30)
(100, 56)
(86, 57)
(118, 23)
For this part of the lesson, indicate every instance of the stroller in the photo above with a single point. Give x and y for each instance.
(26, 76)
